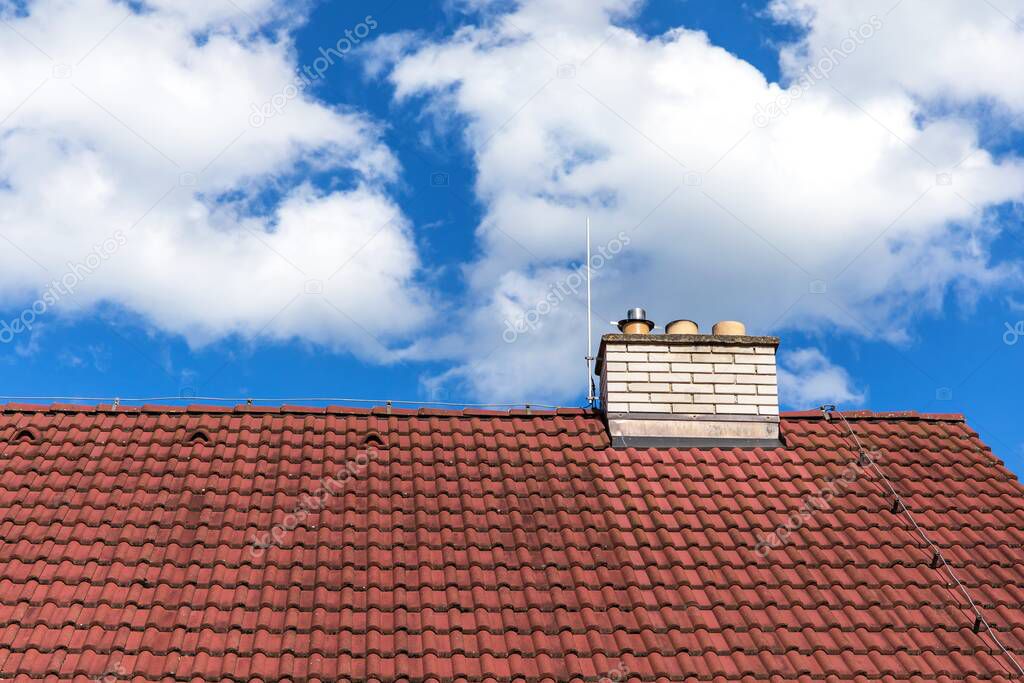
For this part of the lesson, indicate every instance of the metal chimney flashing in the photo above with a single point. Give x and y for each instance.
(688, 431)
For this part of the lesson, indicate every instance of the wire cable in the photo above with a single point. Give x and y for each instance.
(251, 400)
(901, 507)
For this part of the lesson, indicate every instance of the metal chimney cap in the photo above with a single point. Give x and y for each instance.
(636, 322)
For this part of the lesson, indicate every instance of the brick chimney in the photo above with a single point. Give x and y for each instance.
(690, 390)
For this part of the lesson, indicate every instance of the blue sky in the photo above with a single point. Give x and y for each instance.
(378, 230)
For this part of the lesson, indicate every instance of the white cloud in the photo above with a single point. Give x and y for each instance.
(538, 316)
(105, 111)
(117, 119)
(940, 50)
(242, 15)
(728, 220)
(807, 379)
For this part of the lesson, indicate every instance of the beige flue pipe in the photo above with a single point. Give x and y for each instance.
(729, 328)
(682, 327)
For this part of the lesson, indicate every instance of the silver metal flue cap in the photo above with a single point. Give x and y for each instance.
(636, 322)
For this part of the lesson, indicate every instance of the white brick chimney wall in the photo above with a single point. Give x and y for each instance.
(724, 388)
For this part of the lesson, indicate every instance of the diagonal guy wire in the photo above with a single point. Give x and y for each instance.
(637, 130)
(873, 334)
(153, 206)
(223, 152)
(70, 301)
(263, 329)
(1009, 126)
(892, 9)
(109, 33)
(1000, 11)
(977, 208)
(980, 365)
(515, 241)
(362, 246)
(25, 38)
(785, 313)
(388, 8)
(516, 113)
(657, 206)
(126, 126)
(885, 127)
(729, 151)
(755, 232)
(532, 39)
(112, 328)
(259, 238)
(24, 101)
(142, 353)
(597, 49)
(356, 323)
(244, 13)
(882, 234)
(24, 253)
(468, 202)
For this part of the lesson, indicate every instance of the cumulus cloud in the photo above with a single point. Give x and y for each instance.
(847, 211)
(855, 206)
(808, 379)
(539, 315)
(138, 125)
(938, 50)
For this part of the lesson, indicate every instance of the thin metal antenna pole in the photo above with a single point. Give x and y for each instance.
(590, 332)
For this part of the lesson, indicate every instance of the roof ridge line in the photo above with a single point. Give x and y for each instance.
(879, 415)
(285, 409)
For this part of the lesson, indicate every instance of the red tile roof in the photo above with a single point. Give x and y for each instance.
(480, 546)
